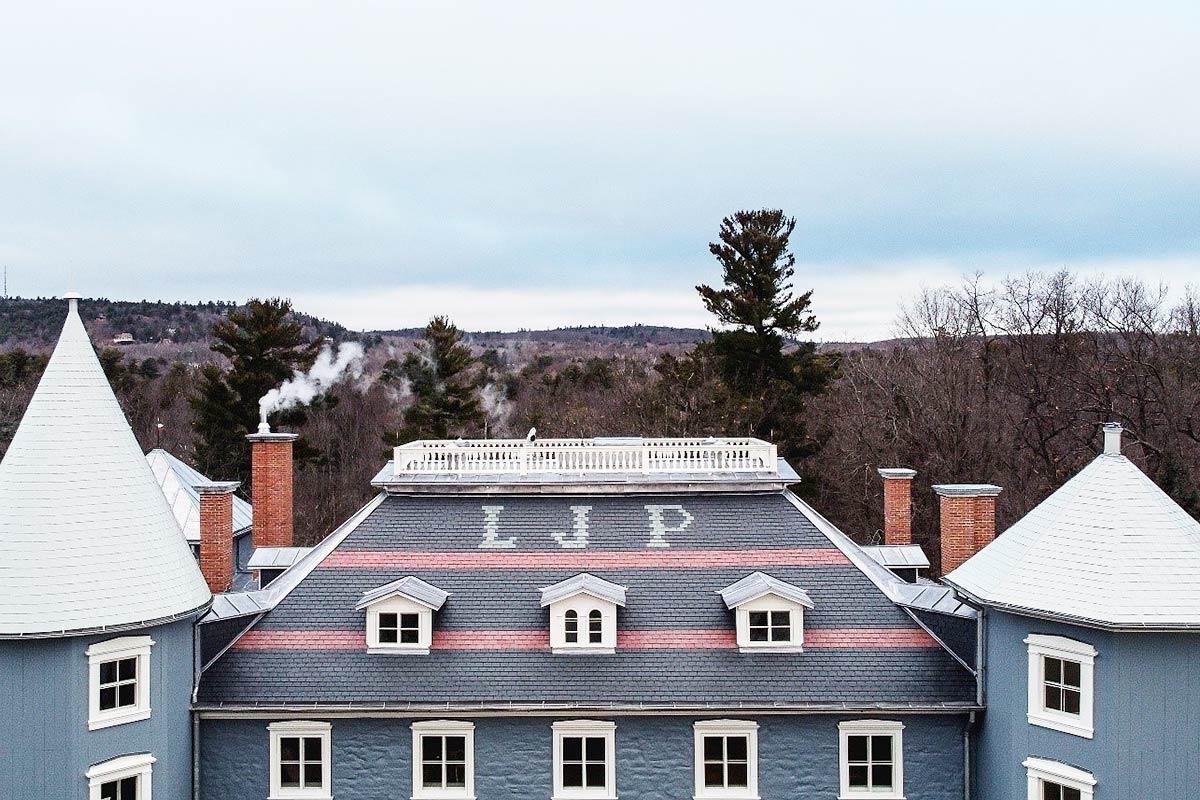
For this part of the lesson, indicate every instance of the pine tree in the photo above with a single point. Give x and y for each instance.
(445, 386)
(264, 348)
(759, 359)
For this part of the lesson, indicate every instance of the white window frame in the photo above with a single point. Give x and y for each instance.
(309, 729)
(727, 727)
(770, 602)
(1042, 646)
(586, 727)
(443, 727)
(398, 604)
(114, 650)
(871, 727)
(583, 604)
(1043, 770)
(135, 766)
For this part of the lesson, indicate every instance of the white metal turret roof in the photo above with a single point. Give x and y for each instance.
(1109, 549)
(87, 540)
(178, 482)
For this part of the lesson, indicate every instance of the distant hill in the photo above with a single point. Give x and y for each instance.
(583, 334)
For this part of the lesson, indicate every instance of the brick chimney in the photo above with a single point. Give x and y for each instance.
(216, 533)
(271, 487)
(968, 517)
(897, 505)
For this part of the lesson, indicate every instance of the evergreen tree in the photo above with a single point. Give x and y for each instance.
(264, 347)
(445, 388)
(759, 359)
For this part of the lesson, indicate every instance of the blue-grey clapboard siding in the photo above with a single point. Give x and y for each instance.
(1146, 716)
(45, 744)
(372, 758)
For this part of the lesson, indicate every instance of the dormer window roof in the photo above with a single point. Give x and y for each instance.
(400, 616)
(584, 583)
(583, 614)
(410, 587)
(769, 613)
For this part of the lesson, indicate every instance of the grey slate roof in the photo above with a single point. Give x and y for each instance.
(411, 587)
(587, 584)
(757, 584)
(303, 650)
(87, 540)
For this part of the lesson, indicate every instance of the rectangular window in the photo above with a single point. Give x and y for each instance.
(770, 626)
(872, 763)
(119, 681)
(584, 760)
(443, 759)
(1054, 780)
(300, 760)
(399, 628)
(1056, 791)
(123, 789)
(726, 759)
(1061, 678)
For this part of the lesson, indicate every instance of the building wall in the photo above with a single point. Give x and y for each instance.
(372, 758)
(45, 744)
(1147, 692)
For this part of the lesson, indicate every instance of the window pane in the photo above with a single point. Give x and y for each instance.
(1071, 673)
(572, 747)
(127, 669)
(595, 748)
(289, 748)
(1070, 701)
(856, 748)
(108, 699)
(387, 636)
(783, 634)
(1051, 791)
(431, 748)
(312, 748)
(108, 791)
(409, 636)
(456, 748)
(129, 788)
(127, 694)
(714, 748)
(312, 774)
(1054, 670)
(714, 774)
(1054, 698)
(431, 774)
(736, 747)
(758, 634)
(738, 774)
(108, 674)
(781, 618)
(289, 774)
(412, 621)
(881, 776)
(758, 619)
(572, 775)
(881, 748)
(387, 620)
(595, 627)
(595, 775)
(456, 775)
(858, 775)
(1070, 794)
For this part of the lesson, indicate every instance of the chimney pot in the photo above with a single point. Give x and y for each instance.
(968, 520)
(271, 488)
(216, 533)
(1112, 438)
(897, 504)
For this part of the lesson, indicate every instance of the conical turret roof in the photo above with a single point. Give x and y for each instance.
(87, 540)
(1109, 549)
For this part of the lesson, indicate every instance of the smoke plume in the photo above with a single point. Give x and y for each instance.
(300, 389)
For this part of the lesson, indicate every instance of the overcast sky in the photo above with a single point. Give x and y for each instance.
(532, 164)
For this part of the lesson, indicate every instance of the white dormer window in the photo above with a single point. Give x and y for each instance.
(583, 614)
(400, 616)
(119, 681)
(769, 613)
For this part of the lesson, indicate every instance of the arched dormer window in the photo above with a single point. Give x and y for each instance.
(579, 600)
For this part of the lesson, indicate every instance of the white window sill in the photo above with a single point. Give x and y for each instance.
(768, 648)
(891, 795)
(397, 651)
(426, 796)
(581, 651)
(726, 797)
(1062, 723)
(284, 796)
(583, 797)
(108, 721)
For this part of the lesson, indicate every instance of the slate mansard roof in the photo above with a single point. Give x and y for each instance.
(676, 639)
(87, 540)
(1109, 549)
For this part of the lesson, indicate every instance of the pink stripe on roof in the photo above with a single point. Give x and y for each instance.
(583, 559)
(690, 639)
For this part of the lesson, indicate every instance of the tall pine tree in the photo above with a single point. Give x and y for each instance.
(264, 347)
(759, 358)
(445, 387)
